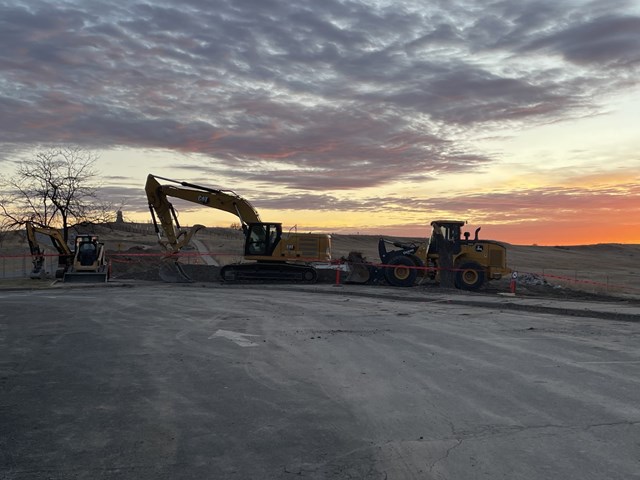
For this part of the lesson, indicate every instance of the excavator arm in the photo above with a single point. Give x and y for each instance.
(65, 255)
(162, 210)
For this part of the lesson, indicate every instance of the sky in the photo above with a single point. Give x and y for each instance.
(343, 116)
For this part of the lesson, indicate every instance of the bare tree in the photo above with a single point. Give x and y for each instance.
(56, 188)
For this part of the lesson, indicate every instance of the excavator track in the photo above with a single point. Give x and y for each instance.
(268, 272)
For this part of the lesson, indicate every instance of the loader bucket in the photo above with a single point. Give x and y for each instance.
(358, 273)
(171, 271)
(359, 270)
(85, 277)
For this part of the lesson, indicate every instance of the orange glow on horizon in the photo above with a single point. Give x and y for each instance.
(542, 233)
(549, 234)
(544, 218)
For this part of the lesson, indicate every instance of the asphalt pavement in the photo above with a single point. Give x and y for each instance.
(223, 382)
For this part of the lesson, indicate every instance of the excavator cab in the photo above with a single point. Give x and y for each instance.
(262, 238)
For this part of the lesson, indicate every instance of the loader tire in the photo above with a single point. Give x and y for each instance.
(470, 276)
(401, 271)
(417, 261)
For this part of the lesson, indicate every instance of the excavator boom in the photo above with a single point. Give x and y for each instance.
(162, 209)
(65, 255)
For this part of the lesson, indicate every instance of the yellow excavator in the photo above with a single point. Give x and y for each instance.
(85, 264)
(269, 254)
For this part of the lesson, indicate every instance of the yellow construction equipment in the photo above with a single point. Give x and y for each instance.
(35, 236)
(269, 254)
(85, 264)
(89, 262)
(474, 261)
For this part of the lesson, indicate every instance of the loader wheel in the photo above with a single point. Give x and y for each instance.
(417, 261)
(470, 276)
(400, 273)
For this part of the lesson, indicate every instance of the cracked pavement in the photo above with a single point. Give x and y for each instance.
(224, 382)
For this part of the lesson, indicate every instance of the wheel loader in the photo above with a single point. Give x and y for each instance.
(474, 261)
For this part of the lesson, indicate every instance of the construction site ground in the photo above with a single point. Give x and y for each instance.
(139, 379)
(145, 380)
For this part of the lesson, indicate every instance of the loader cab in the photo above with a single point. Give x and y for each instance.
(262, 238)
(450, 230)
(87, 250)
(87, 253)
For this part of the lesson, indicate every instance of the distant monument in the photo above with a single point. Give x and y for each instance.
(119, 217)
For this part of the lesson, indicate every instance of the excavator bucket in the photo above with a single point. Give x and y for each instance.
(38, 274)
(171, 271)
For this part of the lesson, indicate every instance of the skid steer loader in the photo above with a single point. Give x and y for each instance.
(89, 264)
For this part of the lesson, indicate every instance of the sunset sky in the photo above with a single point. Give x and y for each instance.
(343, 116)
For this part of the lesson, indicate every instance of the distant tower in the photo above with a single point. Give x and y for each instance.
(119, 217)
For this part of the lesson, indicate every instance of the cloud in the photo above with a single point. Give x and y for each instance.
(611, 41)
(336, 94)
(600, 203)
